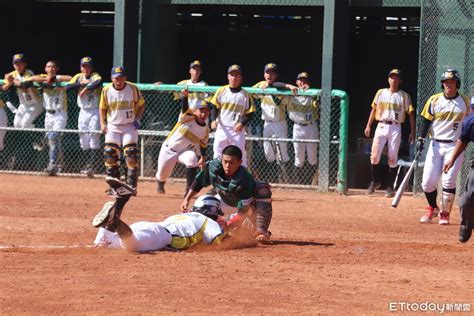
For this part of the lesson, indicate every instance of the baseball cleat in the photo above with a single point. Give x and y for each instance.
(119, 188)
(263, 237)
(444, 218)
(429, 215)
(105, 215)
(160, 187)
(372, 187)
(51, 170)
(465, 231)
(389, 192)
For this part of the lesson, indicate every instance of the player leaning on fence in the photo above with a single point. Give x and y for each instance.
(389, 109)
(121, 108)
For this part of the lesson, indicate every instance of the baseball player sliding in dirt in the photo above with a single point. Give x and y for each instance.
(179, 231)
(389, 108)
(444, 113)
(186, 143)
(237, 190)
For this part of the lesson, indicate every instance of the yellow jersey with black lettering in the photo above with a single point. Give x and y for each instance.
(194, 98)
(28, 96)
(188, 133)
(273, 107)
(232, 105)
(121, 105)
(54, 97)
(392, 106)
(188, 229)
(446, 115)
(89, 100)
(303, 109)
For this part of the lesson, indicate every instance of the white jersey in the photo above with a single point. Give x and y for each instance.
(29, 96)
(446, 115)
(188, 134)
(179, 231)
(273, 107)
(392, 106)
(194, 98)
(54, 98)
(89, 100)
(121, 105)
(303, 109)
(232, 105)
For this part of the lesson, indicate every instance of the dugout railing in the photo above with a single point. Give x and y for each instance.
(26, 149)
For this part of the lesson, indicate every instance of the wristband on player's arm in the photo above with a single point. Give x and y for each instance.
(424, 127)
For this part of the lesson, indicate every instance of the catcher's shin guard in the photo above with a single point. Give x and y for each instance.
(131, 159)
(263, 206)
(447, 201)
(132, 177)
(111, 157)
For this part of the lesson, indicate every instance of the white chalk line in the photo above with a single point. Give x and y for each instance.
(8, 247)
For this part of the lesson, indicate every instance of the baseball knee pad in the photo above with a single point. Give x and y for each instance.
(131, 155)
(263, 192)
(111, 155)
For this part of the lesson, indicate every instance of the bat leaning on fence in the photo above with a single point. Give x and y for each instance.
(404, 184)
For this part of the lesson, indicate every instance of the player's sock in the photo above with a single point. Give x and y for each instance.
(190, 176)
(431, 198)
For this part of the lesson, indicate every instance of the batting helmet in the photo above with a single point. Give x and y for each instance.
(451, 74)
(209, 206)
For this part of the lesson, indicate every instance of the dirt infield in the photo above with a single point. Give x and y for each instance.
(329, 254)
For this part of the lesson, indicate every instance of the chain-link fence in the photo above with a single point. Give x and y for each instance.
(446, 42)
(26, 149)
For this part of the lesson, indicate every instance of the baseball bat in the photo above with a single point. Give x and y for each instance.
(404, 184)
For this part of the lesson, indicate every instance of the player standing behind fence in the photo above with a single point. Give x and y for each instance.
(89, 84)
(30, 102)
(444, 113)
(189, 135)
(389, 107)
(232, 109)
(273, 114)
(121, 108)
(303, 111)
(55, 104)
(3, 123)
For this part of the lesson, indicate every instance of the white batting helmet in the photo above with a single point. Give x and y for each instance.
(209, 206)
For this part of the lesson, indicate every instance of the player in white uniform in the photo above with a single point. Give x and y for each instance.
(3, 123)
(186, 143)
(304, 112)
(179, 231)
(55, 104)
(30, 102)
(444, 113)
(232, 109)
(89, 85)
(121, 108)
(389, 108)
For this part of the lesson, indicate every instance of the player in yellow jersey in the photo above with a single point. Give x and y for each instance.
(3, 123)
(30, 102)
(55, 104)
(186, 143)
(121, 108)
(444, 113)
(389, 108)
(89, 84)
(232, 109)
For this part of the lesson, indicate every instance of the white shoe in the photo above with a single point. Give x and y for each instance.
(104, 214)
(444, 218)
(429, 215)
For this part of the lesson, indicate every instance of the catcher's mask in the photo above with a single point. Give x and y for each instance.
(209, 206)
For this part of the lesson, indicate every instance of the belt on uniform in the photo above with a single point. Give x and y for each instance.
(444, 141)
(304, 124)
(52, 111)
(389, 122)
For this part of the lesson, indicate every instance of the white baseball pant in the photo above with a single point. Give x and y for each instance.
(278, 130)
(121, 135)
(168, 159)
(3, 123)
(439, 153)
(55, 121)
(225, 136)
(311, 149)
(390, 135)
(26, 114)
(89, 121)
